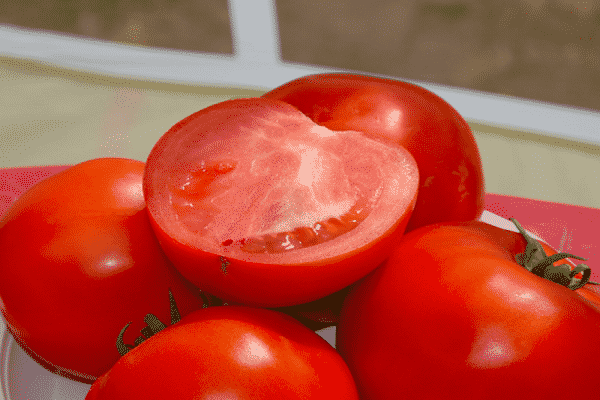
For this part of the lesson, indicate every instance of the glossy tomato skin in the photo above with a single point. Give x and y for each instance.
(230, 352)
(216, 152)
(591, 294)
(435, 134)
(451, 315)
(79, 260)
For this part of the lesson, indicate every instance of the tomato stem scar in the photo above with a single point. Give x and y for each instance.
(536, 261)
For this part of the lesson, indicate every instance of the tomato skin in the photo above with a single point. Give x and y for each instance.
(273, 286)
(433, 132)
(590, 294)
(79, 260)
(267, 280)
(246, 353)
(452, 305)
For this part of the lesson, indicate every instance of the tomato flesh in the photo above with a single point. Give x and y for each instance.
(256, 180)
(297, 191)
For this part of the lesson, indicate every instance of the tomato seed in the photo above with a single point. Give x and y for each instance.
(323, 231)
(272, 243)
(301, 237)
(337, 224)
(350, 220)
(282, 242)
(306, 236)
(253, 245)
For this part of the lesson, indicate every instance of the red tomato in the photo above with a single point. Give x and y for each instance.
(592, 295)
(452, 315)
(434, 133)
(79, 261)
(230, 353)
(256, 204)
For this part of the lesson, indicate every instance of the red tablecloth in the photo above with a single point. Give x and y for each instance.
(567, 228)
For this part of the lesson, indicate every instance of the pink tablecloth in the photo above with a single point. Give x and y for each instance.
(567, 228)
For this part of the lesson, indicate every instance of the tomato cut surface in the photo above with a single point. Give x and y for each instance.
(251, 200)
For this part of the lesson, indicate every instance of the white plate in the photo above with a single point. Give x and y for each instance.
(25, 379)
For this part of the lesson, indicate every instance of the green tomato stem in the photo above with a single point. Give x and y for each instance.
(536, 261)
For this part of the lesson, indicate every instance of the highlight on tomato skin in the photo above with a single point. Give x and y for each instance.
(255, 203)
(230, 352)
(478, 323)
(435, 134)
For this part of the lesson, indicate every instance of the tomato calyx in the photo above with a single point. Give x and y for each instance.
(154, 325)
(536, 261)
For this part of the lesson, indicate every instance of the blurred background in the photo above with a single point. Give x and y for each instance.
(520, 53)
(537, 49)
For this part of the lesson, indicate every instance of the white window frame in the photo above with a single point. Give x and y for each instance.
(257, 64)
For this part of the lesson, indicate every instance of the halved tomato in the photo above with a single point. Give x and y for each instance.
(255, 203)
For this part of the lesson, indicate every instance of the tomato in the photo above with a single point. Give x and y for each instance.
(256, 204)
(435, 134)
(230, 353)
(452, 315)
(590, 294)
(79, 261)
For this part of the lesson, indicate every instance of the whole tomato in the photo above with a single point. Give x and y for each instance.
(433, 132)
(230, 353)
(79, 262)
(256, 204)
(468, 311)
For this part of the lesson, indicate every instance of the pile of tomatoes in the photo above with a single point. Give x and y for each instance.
(334, 199)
